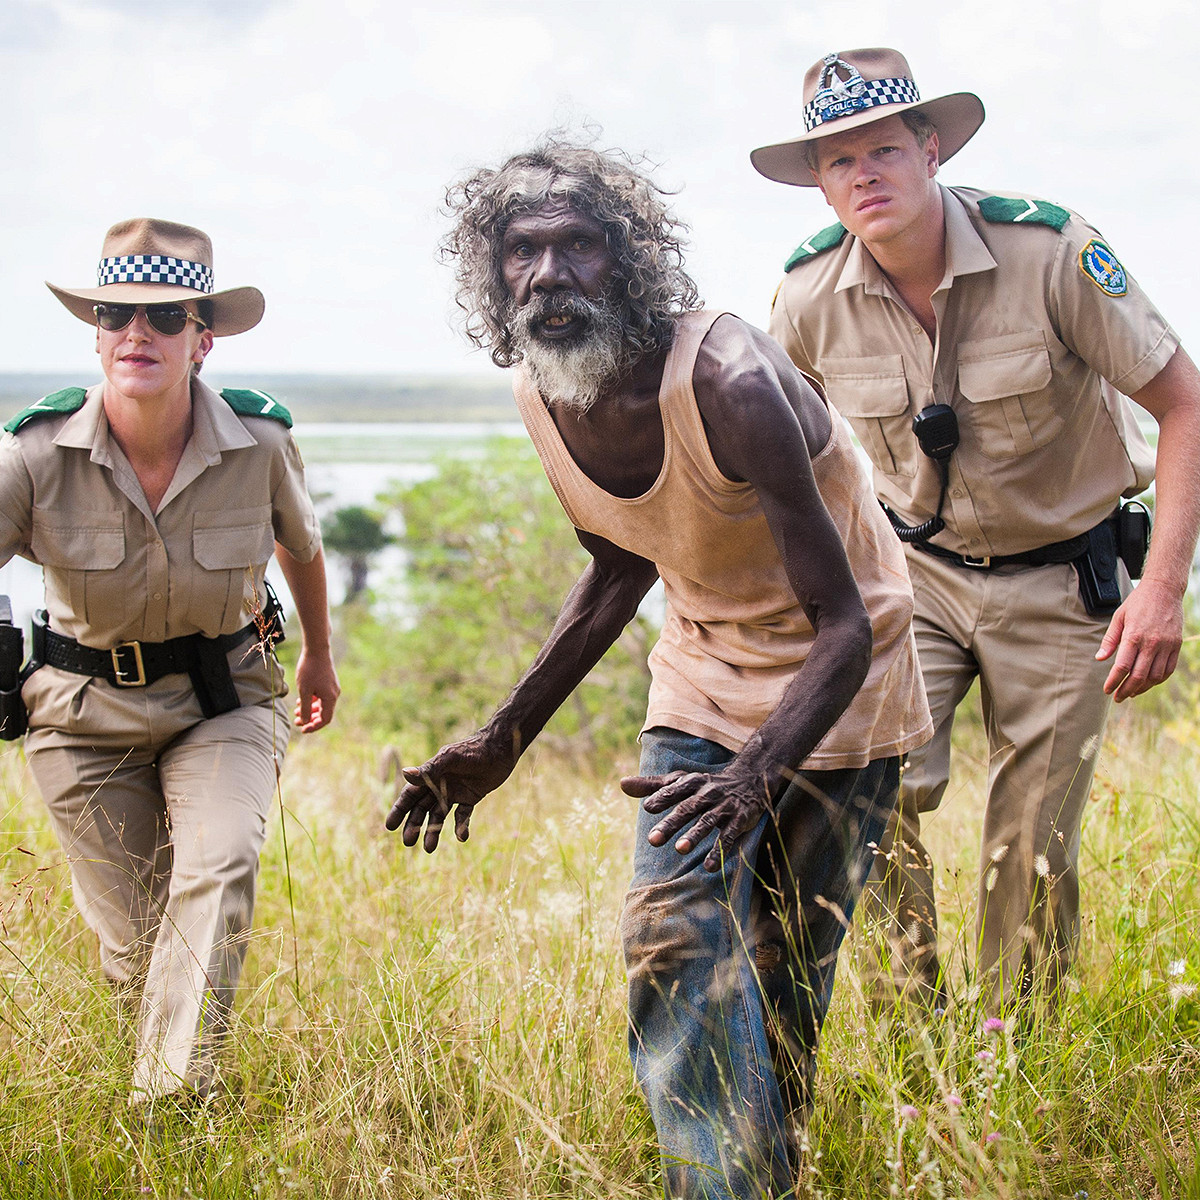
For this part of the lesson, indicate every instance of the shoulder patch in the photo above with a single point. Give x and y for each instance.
(69, 400)
(1006, 210)
(249, 402)
(1103, 268)
(829, 237)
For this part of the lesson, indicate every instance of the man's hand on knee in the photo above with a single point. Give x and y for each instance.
(724, 802)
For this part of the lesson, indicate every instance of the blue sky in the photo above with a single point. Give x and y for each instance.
(313, 141)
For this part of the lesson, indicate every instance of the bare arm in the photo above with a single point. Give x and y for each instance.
(602, 602)
(1146, 632)
(763, 423)
(317, 687)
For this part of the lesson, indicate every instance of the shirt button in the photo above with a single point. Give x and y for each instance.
(957, 493)
(158, 595)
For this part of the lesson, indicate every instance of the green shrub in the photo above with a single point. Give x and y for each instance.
(491, 558)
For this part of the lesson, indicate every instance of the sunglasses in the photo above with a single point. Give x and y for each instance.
(168, 319)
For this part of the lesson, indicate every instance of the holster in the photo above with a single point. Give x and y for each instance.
(13, 718)
(1099, 587)
(1133, 536)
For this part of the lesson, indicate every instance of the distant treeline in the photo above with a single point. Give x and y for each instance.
(325, 397)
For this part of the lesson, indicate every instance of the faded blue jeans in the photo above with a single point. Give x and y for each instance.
(731, 971)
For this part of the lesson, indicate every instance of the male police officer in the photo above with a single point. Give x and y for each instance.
(982, 348)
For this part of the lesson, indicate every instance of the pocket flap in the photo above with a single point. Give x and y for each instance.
(867, 387)
(233, 540)
(1012, 365)
(69, 541)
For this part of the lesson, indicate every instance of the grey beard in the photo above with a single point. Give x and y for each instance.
(571, 374)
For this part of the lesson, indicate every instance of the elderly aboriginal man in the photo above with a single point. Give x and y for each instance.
(783, 693)
(929, 306)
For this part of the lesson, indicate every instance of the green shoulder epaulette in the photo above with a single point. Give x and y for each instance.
(249, 402)
(69, 400)
(1005, 210)
(829, 237)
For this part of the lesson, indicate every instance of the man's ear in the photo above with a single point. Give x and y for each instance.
(931, 154)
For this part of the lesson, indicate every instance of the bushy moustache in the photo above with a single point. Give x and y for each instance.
(528, 319)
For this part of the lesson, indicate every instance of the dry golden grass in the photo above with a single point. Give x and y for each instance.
(453, 1026)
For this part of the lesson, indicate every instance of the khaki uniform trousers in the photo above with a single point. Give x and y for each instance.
(161, 815)
(1025, 633)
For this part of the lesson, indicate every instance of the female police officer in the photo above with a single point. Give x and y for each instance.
(156, 718)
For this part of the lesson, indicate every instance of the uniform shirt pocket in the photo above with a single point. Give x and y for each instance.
(1007, 381)
(872, 394)
(231, 548)
(81, 558)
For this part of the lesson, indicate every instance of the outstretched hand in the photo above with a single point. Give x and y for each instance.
(457, 777)
(724, 802)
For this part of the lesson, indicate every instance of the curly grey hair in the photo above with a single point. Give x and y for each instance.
(643, 236)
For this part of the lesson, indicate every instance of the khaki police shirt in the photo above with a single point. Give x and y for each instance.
(114, 570)
(1031, 354)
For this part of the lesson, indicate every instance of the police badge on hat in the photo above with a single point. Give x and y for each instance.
(838, 97)
(1103, 268)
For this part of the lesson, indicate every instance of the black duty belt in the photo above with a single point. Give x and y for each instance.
(139, 664)
(1042, 556)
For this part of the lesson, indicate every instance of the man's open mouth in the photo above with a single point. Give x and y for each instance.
(560, 325)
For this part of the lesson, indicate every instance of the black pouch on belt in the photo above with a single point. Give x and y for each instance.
(208, 670)
(1132, 520)
(208, 659)
(12, 650)
(1097, 568)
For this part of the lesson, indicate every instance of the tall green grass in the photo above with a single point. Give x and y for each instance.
(453, 1026)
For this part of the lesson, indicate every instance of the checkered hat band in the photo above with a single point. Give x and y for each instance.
(879, 91)
(155, 268)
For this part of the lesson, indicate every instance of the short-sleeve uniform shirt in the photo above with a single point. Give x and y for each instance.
(114, 570)
(1041, 335)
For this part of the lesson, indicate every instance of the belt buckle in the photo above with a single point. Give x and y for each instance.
(982, 563)
(119, 674)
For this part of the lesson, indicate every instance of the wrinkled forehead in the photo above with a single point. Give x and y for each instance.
(557, 211)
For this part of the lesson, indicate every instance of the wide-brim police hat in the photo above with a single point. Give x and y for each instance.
(148, 261)
(854, 88)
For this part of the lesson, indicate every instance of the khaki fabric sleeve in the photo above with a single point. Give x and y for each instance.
(16, 500)
(1122, 337)
(785, 330)
(292, 515)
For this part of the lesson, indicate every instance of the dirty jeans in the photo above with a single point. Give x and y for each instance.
(731, 971)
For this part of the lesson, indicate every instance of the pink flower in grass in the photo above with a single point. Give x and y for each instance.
(993, 1025)
(908, 1112)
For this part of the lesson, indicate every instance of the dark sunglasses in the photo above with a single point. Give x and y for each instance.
(168, 319)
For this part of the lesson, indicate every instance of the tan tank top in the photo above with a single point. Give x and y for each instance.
(734, 634)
